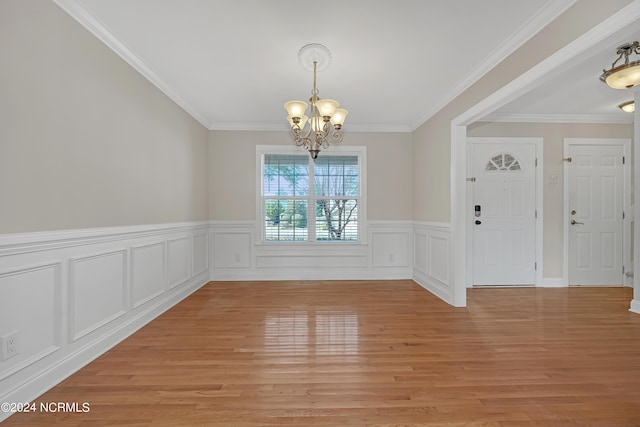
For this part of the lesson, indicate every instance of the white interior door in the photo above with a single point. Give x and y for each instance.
(595, 186)
(504, 221)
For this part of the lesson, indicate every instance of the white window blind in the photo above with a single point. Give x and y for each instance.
(307, 201)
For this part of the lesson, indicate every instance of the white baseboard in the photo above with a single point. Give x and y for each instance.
(439, 289)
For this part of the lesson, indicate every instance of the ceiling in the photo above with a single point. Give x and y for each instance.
(232, 63)
(574, 93)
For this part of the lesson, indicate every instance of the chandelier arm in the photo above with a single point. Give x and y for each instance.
(618, 59)
(303, 140)
(337, 135)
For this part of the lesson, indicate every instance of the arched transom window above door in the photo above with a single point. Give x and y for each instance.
(503, 162)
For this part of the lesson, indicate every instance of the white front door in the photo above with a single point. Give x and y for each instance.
(504, 219)
(595, 185)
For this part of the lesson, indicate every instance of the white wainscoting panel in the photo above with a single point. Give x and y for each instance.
(292, 259)
(147, 272)
(390, 249)
(30, 299)
(200, 254)
(432, 265)
(420, 252)
(239, 254)
(178, 261)
(233, 249)
(98, 291)
(72, 295)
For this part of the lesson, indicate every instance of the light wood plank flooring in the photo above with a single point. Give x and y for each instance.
(358, 353)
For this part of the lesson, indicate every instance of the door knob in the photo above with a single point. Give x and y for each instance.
(574, 222)
(478, 222)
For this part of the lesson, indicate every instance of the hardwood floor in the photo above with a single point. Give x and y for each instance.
(359, 353)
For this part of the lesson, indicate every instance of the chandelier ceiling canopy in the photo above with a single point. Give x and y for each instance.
(323, 125)
(627, 74)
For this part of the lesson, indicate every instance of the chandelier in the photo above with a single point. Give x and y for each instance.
(626, 75)
(323, 125)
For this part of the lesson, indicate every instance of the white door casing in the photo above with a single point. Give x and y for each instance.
(504, 232)
(595, 201)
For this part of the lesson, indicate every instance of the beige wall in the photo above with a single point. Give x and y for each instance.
(233, 172)
(85, 140)
(432, 140)
(553, 136)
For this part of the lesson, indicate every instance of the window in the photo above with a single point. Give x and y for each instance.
(503, 162)
(306, 201)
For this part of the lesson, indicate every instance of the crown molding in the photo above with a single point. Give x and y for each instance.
(550, 12)
(284, 128)
(557, 118)
(378, 128)
(85, 18)
(252, 127)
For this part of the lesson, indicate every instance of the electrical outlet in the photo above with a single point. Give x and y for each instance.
(10, 345)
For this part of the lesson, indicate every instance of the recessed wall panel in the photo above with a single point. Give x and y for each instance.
(147, 273)
(232, 250)
(200, 253)
(29, 306)
(97, 291)
(439, 258)
(420, 252)
(389, 249)
(178, 261)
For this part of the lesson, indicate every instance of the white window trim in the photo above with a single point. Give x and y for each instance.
(360, 151)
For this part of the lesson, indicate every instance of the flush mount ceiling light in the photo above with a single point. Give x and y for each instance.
(626, 75)
(325, 118)
(628, 107)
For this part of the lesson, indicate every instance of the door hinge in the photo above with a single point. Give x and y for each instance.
(623, 160)
(567, 159)
(536, 214)
(535, 266)
(536, 162)
(623, 269)
(472, 179)
(622, 214)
